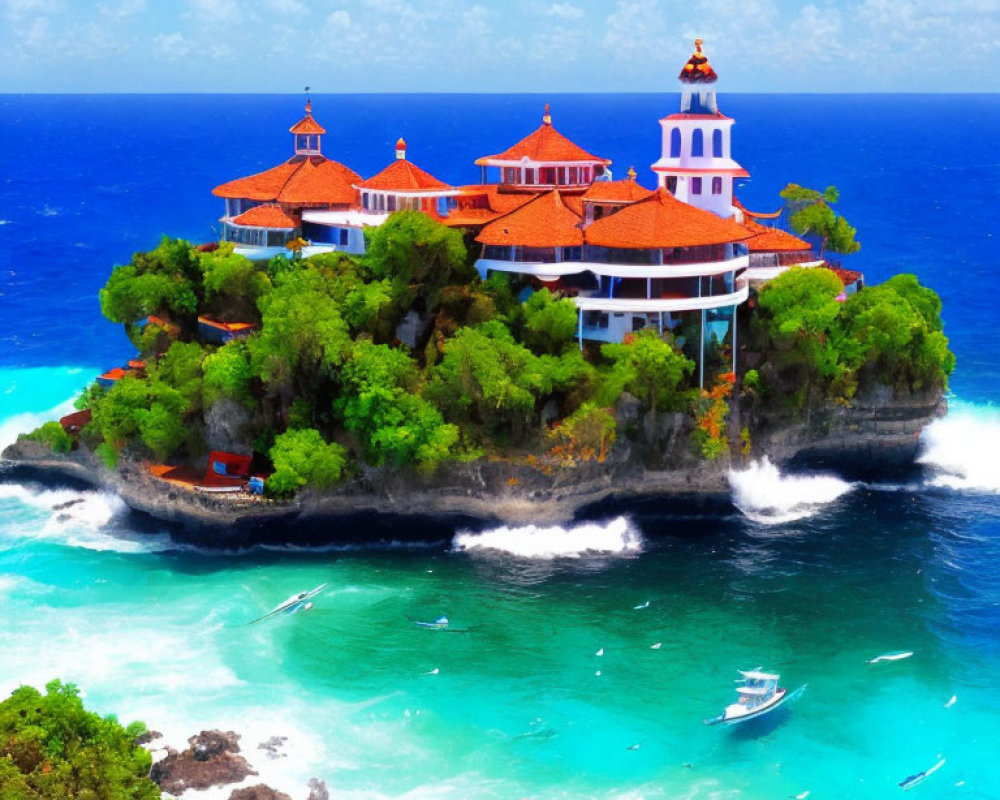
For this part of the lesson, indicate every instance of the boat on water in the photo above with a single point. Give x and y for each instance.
(301, 601)
(758, 694)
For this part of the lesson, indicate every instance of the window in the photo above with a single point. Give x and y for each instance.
(671, 184)
(510, 174)
(696, 186)
(343, 237)
(698, 143)
(675, 142)
(717, 143)
(716, 185)
(574, 175)
(391, 204)
(364, 200)
(529, 176)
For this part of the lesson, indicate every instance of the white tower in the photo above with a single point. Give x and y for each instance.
(696, 165)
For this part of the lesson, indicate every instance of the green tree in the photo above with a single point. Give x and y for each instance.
(381, 405)
(810, 213)
(900, 344)
(148, 411)
(418, 255)
(303, 458)
(486, 378)
(167, 278)
(303, 337)
(649, 367)
(550, 324)
(52, 748)
(228, 373)
(52, 435)
(181, 369)
(232, 280)
(801, 330)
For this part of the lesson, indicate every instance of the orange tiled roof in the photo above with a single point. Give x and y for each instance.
(497, 204)
(697, 69)
(302, 180)
(265, 217)
(404, 176)
(545, 144)
(756, 214)
(661, 220)
(626, 191)
(544, 221)
(772, 240)
(307, 124)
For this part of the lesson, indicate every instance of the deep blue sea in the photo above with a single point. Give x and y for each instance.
(807, 575)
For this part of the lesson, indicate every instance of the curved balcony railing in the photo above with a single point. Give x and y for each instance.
(558, 268)
(656, 304)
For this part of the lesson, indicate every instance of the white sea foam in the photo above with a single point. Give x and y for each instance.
(618, 536)
(764, 494)
(961, 449)
(28, 421)
(75, 518)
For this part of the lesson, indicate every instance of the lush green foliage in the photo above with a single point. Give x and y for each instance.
(818, 348)
(649, 367)
(165, 279)
(52, 748)
(380, 404)
(405, 357)
(52, 435)
(811, 213)
(302, 458)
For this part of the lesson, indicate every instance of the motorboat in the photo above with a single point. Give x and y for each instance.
(301, 601)
(757, 694)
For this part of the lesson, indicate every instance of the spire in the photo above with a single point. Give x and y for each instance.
(697, 69)
(401, 149)
(631, 173)
(547, 116)
(309, 102)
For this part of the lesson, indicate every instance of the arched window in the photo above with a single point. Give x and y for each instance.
(717, 143)
(675, 143)
(698, 143)
(716, 185)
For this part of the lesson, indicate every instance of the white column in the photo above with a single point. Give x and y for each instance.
(701, 360)
(733, 339)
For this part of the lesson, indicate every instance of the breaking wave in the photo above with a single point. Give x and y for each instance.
(960, 449)
(617, 536)
(75, 518)
(764, 494)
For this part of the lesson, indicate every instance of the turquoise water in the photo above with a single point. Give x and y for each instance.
(516, 707)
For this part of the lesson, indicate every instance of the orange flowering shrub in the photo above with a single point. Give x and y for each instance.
(710, 417)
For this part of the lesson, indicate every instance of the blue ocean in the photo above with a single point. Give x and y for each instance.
(595, 650)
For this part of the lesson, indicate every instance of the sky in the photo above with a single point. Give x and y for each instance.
(495, 45)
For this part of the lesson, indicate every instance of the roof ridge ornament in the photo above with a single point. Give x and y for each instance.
(547, 115)
(309, 102)
(697, 69)
(631, 173)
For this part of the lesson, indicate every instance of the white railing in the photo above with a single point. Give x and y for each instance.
(657, 304)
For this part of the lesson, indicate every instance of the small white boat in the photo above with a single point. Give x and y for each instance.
(294, 604)
(758, 694)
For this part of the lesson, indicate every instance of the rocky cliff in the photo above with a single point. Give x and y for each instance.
(652, 461)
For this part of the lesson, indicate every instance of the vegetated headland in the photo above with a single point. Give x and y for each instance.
(399, 382)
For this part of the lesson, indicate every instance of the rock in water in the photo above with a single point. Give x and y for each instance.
(211, 760)
(317, 790)
(258, 792)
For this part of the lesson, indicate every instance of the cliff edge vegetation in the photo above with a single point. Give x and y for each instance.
(405, 358)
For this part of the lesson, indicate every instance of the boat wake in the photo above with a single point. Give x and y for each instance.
(617, 537)
(766, 495)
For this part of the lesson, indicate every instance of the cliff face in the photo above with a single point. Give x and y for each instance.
(652, 460)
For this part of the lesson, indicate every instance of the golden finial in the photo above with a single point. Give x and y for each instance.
(631, 173)
(697, 46)
(547, 116)
(309, 102)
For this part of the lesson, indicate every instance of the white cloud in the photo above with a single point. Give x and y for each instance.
(283, 6)
(636, 31)
(20, 9)
(218, 12)
(171, 46)
(123, 10)
(565, 11)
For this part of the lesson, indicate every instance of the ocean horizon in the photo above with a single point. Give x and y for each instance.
(809, 575)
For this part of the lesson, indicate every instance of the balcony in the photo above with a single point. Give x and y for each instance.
(598, 301)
